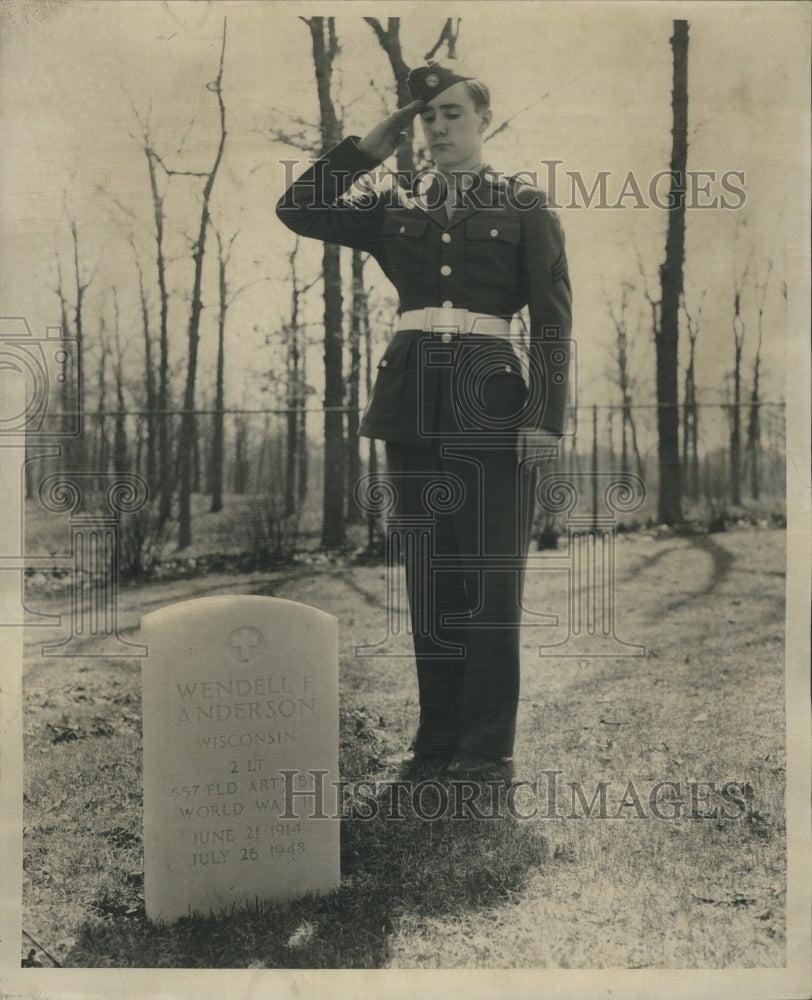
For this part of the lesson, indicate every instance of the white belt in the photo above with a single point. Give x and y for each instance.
(436, 319)
(448, 322)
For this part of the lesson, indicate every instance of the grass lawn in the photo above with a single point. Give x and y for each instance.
(577, 891)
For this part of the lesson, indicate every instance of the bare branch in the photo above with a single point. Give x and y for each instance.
(449, 35)
(377, 27)
(641, 269)
(176, 173)
(297, 140)
(333, 48)
(298, 120)
(507, 122)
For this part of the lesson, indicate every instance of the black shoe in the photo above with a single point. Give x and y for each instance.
(422, 763)
(478, 768)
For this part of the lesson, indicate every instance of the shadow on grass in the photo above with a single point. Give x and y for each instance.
(390, 868)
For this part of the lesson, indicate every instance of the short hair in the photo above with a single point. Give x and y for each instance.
(479, 94)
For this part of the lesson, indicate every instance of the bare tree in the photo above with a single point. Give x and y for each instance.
(215, 483)
(76, 452)
(161, 397)
(151, 464)
(359, 312)
(574, 458)
(187, 426)
(303, 471)
(754, 422)
(390, 42)
(240, 454)
(449, 34)
(101, 451)
(624, 381)
(671, 283)
(372, 458)
(226, 298)
(739, 332)
(121, 462)
(71, 390)
(295, 394)
(690, 408)
(333, 535)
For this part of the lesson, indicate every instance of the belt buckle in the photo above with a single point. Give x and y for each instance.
(445, 321)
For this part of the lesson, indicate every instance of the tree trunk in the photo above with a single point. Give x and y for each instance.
(196, 456)
(325, 49)
(188, 428)
(151, 467)
(70, 394)
(333, 529)
(754, 434)
(690, 415)
(121, 462)
(574, 457)
(610, 435)
(354, 387)
(165, 475)
(595, 468)
(390, 43)
(736, 425)
(295, 399)
(240, 455)
(77, 448)
(372, 466)
(624, 443)
(303, 473)
(101, 458)
(218, 418)
(671, 282)
(291, 420)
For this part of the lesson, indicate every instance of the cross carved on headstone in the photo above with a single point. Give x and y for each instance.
(245, 639)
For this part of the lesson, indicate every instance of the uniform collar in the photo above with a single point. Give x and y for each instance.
(429, 195)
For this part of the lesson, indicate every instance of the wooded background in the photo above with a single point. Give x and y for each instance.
(222, 357)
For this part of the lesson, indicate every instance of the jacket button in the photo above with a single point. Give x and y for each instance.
(384, 363)
(445, 270)
(448, 304)
(403, 230)
(446, 237)
(494, 232)
(446, 338)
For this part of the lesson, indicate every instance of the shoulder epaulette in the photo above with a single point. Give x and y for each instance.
(530, 193)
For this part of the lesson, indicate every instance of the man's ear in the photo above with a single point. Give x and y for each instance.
(487, 117)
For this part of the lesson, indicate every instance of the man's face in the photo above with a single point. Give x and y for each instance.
(453, 129)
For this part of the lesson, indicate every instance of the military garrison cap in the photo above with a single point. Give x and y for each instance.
(426, 82)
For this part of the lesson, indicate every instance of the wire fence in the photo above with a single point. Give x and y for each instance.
(265, 492)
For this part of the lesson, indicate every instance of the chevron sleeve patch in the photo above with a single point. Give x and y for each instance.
(559, 268)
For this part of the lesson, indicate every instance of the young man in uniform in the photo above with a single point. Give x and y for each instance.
(454, 399)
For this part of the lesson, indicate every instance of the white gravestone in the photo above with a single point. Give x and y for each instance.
(236, 690)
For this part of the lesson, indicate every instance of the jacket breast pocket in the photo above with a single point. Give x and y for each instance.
(404, 240)
(492, 249)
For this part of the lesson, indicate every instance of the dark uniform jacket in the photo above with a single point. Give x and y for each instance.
(502, 249)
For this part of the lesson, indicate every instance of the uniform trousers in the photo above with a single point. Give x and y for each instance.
(472, 503)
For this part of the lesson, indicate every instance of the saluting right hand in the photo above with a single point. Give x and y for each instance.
(388, 134)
